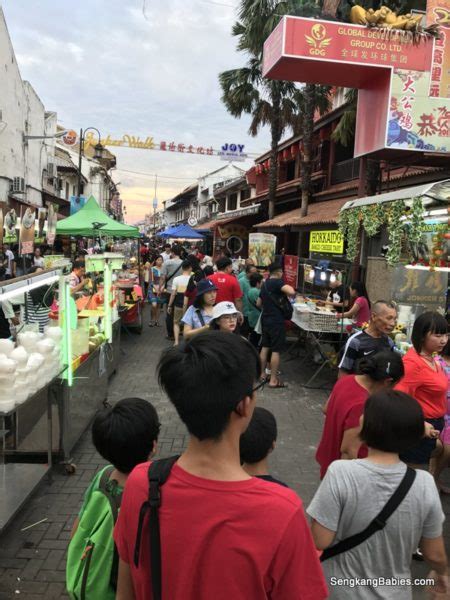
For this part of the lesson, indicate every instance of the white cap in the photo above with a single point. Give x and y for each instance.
(224, 308)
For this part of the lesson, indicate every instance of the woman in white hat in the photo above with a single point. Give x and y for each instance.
(225, 317)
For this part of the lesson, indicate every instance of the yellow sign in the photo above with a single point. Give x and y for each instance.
(227, 231)
(317, 40)
(329, 242)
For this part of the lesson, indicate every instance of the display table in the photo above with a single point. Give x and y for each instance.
(318, 327)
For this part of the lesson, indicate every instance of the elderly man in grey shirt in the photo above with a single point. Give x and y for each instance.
(170, 269)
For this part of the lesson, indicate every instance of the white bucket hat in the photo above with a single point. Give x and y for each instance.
(224, 308)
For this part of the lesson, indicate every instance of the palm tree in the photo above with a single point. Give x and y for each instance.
(278, 104)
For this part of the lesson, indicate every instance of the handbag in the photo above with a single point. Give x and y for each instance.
(378, 523)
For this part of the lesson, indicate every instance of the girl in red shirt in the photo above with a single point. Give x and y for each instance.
(360, 311)
(345, 406)
(426, 381)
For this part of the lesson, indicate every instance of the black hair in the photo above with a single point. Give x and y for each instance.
(275, 267)
(193, 261)
(167, 246)
(360, 289)
(186, 264)
(176, 249)
(125, 434)
(381, 366)
(206, 378)
(427, 322)
(254, 279)
(208, 270)
(78, 264)
(393, 422)
(248, 268)
(223, 263)
(446, 349)
(257, 441)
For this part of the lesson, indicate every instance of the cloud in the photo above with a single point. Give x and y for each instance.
(104, 63)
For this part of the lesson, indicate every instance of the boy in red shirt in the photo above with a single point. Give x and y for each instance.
(224, 534)
(228, 288)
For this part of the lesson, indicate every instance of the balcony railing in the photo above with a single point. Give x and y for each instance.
(345, 171)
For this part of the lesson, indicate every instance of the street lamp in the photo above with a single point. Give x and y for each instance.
(99, 151)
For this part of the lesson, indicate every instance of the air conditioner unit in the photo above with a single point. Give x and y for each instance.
(50, 170)
(18, 185)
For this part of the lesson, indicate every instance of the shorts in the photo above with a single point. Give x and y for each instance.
(273, 336)
(421, 454)
(178, 312)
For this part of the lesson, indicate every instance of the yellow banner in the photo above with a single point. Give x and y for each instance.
(329, 242)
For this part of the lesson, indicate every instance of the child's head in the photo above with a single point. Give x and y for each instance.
(259, 438)
(126, 434)
(393, 422)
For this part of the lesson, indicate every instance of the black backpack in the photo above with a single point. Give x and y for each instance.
(158, 473)
(281, 302)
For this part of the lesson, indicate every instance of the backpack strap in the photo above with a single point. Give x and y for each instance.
(200, 316)
(115, 500)
(378, 523)
(158, 474)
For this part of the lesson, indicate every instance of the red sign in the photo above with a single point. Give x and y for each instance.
(376, 61)
(291, 270)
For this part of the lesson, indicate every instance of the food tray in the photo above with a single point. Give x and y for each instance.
(318, 321)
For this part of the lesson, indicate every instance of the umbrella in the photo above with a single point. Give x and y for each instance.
(186, 232)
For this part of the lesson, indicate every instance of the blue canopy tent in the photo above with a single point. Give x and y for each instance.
(167, 232)
(183, 231)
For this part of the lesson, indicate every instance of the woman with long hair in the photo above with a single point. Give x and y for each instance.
(360, 311)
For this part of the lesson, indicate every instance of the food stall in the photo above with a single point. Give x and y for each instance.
(403, 238)
(30, 373)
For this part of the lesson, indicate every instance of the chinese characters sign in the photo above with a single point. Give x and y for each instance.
(404, 83)
(417, 121)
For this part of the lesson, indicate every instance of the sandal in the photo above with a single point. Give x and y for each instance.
(279, 385)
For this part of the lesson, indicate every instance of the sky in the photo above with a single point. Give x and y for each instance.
(137, 67)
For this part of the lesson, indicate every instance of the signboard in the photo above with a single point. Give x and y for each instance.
(42, 216)
(261, 248)
(326, 242)
(232, 152)
(403, 99)
(419, 287)
(51, 223)
(232, 229)
(291, 270)
(240, 212)
(70, 138)
(10, 236)
(27, 224)
(416, 121)
(438, 12)
(76, 203)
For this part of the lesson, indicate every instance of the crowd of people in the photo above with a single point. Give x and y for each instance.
(215, 522)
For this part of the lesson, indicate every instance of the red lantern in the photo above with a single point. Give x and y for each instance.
(294, 151)
(267, 165)
(286, 154)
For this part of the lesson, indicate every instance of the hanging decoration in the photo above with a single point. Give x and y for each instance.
(395, 231)
(372, 219)
(416, 221)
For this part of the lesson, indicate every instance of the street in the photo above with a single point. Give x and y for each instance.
(32, 562)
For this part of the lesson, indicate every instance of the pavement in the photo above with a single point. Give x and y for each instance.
(32, 562)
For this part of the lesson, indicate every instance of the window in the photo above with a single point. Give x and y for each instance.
(232, 202)
(67, 190)
(245, 194)
(290, 170)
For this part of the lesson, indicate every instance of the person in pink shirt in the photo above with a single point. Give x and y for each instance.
(360, 310)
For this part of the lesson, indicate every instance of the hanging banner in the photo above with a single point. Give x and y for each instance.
(76, 203)
(10, 236)
(27, 224)
(51, 223)
(261, 248)
(227, 231)
(291, 270)
(40, 233)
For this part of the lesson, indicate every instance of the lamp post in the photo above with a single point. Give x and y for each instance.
(98, 152)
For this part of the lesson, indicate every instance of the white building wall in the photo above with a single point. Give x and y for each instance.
(22, 113)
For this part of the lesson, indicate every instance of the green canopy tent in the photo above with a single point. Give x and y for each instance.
(91, 220)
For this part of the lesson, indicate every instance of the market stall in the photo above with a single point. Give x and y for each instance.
(403, 237)
(30, 372)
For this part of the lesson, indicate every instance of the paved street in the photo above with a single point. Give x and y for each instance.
(32, 562)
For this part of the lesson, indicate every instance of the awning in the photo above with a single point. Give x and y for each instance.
(318, 212)
(431, 192)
